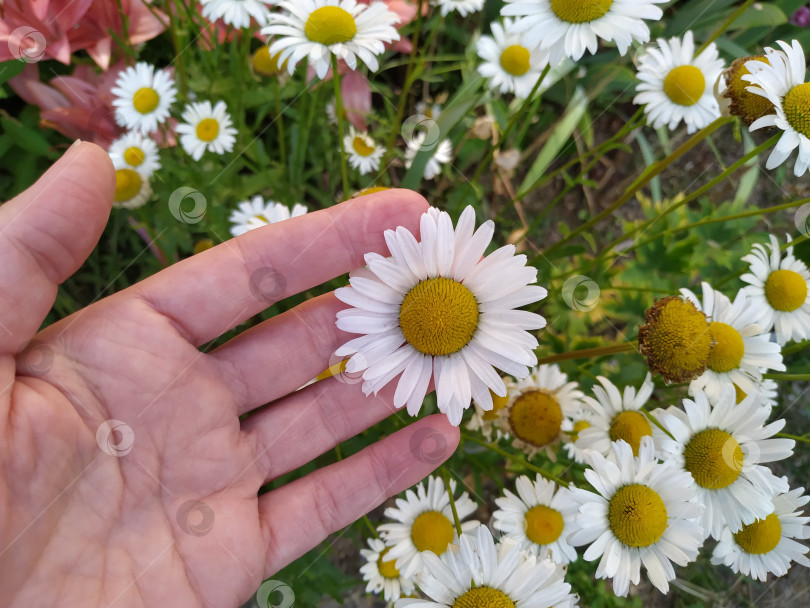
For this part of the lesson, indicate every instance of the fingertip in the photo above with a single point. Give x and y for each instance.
(94, 162)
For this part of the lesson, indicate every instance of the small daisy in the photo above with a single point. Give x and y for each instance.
(540, 409)
(443, 154)
(437, 309)
(510, 66)
(256, 213)
(581, 420)
(766, 390)
(431, 110)
(722, 447)
(767, 544)
(539, 518)
(424, 522)
(143, 97)
(740, 349)
(486, 422)
(317, 29)
(780, 288)
(464, 7)
(677, 86)
(615, 416)
(381, 574)
(570, 27)
(781, 81)
(480, 573)
(237, 12)
(364, 153)
(135, 151)
(642, 515)
(132, 189)
(206, 128)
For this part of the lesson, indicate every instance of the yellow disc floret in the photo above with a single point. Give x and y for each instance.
(543, 524)
(714, 458)
(580, 11)
(739, 394)
(207, 129)
(728, 348)
(630, 426)
(515, 60)
(145, 100)
(361, 147)
(483, 597)
(127, 185)
(785, 290)
(761, 536)
(438, 316)
(742, 103)
(797, 108)
(498, 403)
(388, 569)
(266, 64)
(432, 531)
(330, 25)
(579, 426)
(685, 85)
(536, 417)
(637, 515)
(134, 156)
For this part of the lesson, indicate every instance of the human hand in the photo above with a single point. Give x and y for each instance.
(166, 511)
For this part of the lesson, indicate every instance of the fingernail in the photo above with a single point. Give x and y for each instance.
(75, 143)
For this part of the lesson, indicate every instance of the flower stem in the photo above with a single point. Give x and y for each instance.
(795, 348)
(514, 458)
(787, 377)
(446, 477)
(339, 109)
(801, 438)
(279, 120)
(179, 70)
(586, 353)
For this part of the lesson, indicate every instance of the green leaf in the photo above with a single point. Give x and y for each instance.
(759, 14)
(9, 69)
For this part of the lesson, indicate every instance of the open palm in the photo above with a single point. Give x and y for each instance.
(126, 476)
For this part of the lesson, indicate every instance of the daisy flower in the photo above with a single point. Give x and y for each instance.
(642, 514)
(539, 518)
(442, 155)
(237, 12)
(740, 350)
(424, 522)
(143, 97)
(540, 409)
(464, 7)
(766, 390)
(486, 421)
(132, 189)
(137, 152)
(779, 287)
(768, 545)
(431, 110)
(436, 309)
(732, 94)
(570, 27)
(781, 81)
(481, 573)
(581, 420)
(364, 153)
(510, 66)
(206, 128)
(614, 416)
(722, 448)
(677, 86)
(256, 213)
(318, 29)
(381, 574)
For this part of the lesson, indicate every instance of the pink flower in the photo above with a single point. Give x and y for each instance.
(26, 25)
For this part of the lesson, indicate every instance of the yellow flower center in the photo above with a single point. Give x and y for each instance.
(536, 417)
(580, 11)
(515, 60)
(676, 340)
(127, 185)
(728, 349)
(207, 129)
(761, 536)
(265, 64)
(714, 458)
(579, 426)
(748, 106)
(498, 403)
(203, 245)
(388, 569)
(134, 156)
(739, 394)
(685, 85)
(637, 515)
(432, 531)
(330, 25)
(797, 108)
(361, 147)
(145, 100)
(630, 426)
(785, 290)
(438, 316)
(483, 597)
(543, 524)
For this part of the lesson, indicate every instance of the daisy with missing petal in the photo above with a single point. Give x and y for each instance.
(206, 128)
(779, 287)
(137, 152)
(480, 573)
(615, 416)
(677, 86)
(464, 7)
(436, 309)
(424, 522)
(132, 189)
(768, 545)
(781, 81)
(381, 574)
(539, 518)
(257, 212)
(642, 514)
(318, 29)
(722, 448)
(364, 153)
(510, 66)
(570, 27)
(443, 154)
(237, 12)
(540, 409)
(143, 97)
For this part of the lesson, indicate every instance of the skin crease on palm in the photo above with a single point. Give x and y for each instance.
(177, 520)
